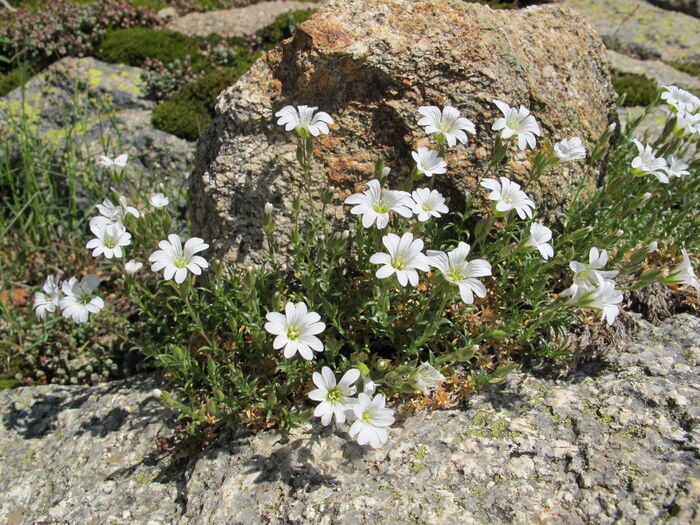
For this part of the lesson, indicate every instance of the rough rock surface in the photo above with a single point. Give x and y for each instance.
(104, 104)
(371, 64)
(637, 28)
(240, 21)
(691, 7)
(664, 74)
(618, 442)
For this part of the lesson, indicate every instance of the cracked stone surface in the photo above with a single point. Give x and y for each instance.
(617, 442)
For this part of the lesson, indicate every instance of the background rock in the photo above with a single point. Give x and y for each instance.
(618, 442)
(637, 28)
(371, 64)
(664, 74)
(240, 21)
(690, 7)
(105, 105)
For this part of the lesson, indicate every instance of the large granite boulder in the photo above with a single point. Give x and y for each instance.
(617, 442)
(371, 64)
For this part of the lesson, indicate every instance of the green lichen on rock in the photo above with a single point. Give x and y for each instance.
(132, 46)
(638, 89)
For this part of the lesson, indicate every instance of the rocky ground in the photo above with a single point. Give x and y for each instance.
(617, 442)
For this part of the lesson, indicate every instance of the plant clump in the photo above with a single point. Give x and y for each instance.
(282, 28)
(637, 89)
(133, 46)
(64, 28)
(189, 111)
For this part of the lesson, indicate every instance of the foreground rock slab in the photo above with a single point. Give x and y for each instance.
(618, 442)
(371, 64)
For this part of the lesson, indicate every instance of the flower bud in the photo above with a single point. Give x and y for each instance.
(646, 196)
(268, 208)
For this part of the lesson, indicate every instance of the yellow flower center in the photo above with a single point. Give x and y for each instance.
(110, 243)
(293, 333)
(366, 417)
(398, 263)
(455, 276)
(381, 206)
(334, 395)
(425, 207)
(180, 262)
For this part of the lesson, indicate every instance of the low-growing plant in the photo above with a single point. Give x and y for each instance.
(64, 28)
(181, 120)
(135, 45)
(189, 111)
(400, 324)
(283, 27)
(164, 80)
(638, 90)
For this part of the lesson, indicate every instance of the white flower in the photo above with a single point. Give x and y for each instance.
(427, 377)
(113, 214)
(455, 269)
(447, 125)
(78, 301)
(118, 162)
(296, 330)
(403, 259)
(303, 120)
(605, 298)
(683, 274)
(517, 122)
(509, 196)
(540, 236)
(109, 240)
(652, 246)
(375, 204)
(48, 300)
(177, 261)
(428, 203)
(676, 167)
(268, 208)
(132, 267)
(335, 398)
(646, 163)
(570, 149)
(158, 200)
(372, 420)
(587, 276)
(428, 162)
(680, 99)
(687, 123)
(369, 387)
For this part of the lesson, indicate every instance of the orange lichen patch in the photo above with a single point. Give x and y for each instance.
(327, 33)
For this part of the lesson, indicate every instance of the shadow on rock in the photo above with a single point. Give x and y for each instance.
(291, 465)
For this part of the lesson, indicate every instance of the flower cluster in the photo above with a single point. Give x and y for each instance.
(110, 240)
(684, 108)
(594, 287)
